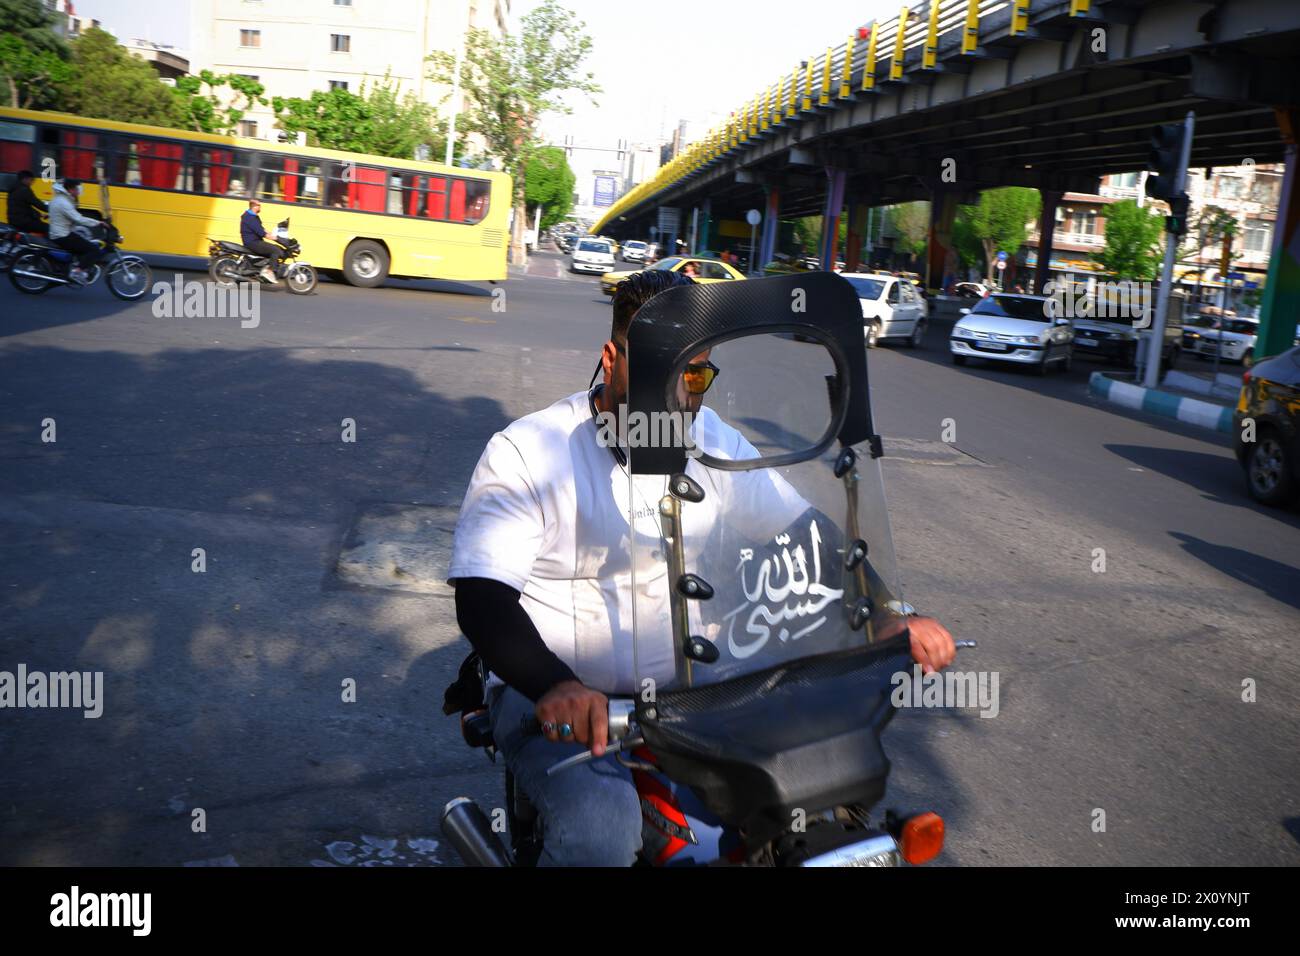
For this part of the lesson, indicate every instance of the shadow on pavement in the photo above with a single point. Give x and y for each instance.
(1279, 581)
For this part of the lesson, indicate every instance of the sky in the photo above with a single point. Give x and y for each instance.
(657, 63)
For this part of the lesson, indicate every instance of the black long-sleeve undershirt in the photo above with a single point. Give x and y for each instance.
(490, 615)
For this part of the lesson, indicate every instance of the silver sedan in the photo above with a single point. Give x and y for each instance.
(1013, 328)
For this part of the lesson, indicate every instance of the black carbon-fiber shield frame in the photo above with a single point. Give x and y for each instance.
(685, 320)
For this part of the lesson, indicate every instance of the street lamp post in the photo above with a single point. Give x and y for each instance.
(753, 217)
(455, 101)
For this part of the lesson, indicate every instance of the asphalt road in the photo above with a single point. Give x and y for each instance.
(1119, 691)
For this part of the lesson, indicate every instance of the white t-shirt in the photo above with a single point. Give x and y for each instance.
(546, 513)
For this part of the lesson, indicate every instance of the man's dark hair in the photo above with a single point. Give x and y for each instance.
(635, 291)
(25, 174)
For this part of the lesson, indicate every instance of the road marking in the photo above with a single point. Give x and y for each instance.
(471, 319)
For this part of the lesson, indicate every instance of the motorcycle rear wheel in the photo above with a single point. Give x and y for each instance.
(300, 278)
(130, 278)
(31, 262)
(224, 270)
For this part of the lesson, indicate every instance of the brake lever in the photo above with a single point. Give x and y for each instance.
(588, 755)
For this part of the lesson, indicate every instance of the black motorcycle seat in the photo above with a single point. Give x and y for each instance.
(235, 248)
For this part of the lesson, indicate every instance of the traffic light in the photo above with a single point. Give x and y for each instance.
(1163, 161)
(1176, 221)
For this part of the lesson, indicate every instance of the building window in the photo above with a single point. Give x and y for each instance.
(1124, 180)
(342, 3)
(250, 38)
(340, 43)
(248, 129)
(1227, 187)
(1264, 190)
(1259, 237)
(339, 85)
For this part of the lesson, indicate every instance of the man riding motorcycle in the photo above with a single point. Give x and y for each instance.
(67, 226)
(24, 208)
(541, 593)
(253, 236)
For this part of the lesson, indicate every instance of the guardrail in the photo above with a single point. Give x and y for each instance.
(871, 57)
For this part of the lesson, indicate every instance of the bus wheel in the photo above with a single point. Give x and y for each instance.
(365, 264)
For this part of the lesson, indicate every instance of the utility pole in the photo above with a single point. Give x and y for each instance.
(1225, 266)
(1171, 150)
(455, 100)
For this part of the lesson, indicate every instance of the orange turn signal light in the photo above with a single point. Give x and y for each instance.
(921, 839)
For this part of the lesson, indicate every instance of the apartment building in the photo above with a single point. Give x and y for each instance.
(294, 47)
(66, 22)
(1249, 193)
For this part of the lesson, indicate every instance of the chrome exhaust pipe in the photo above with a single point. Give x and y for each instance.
(469, 831)
(40, 275)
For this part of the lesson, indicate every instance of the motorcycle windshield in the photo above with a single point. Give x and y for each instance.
(772, 542)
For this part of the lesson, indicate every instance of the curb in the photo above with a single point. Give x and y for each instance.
(1189, 410)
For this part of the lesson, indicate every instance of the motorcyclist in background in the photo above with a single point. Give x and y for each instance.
(67, 227)
(253, 236)
(24, 208)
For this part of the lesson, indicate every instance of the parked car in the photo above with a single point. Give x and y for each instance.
(1270, 395)
(970, 290)
(634, 251)
(592, 255)
(1117, 341)
(707, 271)
(1008, 327)
(1206, 334)
(892, 308)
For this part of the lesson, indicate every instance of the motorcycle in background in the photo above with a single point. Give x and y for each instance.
(39, 265)
(231, 262)
(767, 626)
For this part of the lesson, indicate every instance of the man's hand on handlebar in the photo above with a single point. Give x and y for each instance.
(932, 646)
(583, 709)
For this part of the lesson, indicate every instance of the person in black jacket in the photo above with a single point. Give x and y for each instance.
(24, 207)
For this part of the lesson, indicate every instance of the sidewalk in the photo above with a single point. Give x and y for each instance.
(1180, 396)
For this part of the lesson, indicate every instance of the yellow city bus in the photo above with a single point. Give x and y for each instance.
(362, 217)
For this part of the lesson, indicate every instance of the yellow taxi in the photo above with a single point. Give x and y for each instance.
(706, 270)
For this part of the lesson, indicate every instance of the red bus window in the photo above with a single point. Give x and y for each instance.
(160, 163)
(477, 195)
(414, 199)
(77, 157)
(289, 181)
(366, 191)
(219, 171)
(15, 156)
(457, 200)
(437, 197)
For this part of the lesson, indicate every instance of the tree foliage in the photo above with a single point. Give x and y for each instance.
(549, 183)
(33, 58)
(1133, 236)
(910, 223)
(209, 112)
(511, 82)
(107, 82)
(999, 222)
(376, 119)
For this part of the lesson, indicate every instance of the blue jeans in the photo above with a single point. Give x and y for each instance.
(590, 814)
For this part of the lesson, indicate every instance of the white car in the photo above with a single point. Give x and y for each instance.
(891, 308)
(1235, 336)
(1006, 327)
(634, 251)
(592, 255)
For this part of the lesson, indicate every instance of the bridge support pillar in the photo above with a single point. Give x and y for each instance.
(828, 248)
(940, 256)
(1281, 304)
(771, 225)
(1046, 228)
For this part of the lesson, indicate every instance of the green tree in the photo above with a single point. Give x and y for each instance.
(375, 120)
(107, 82)
(510, 83)
(910, 223)
(33, 58)
(999, 222)
(1133, 235)
(205, 112)
(549, 184)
